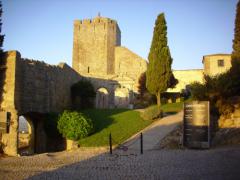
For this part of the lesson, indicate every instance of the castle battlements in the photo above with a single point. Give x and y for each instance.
(95, 21)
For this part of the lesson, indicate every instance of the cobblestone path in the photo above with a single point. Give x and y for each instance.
(153, 164)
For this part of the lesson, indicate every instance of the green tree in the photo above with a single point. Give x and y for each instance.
(1, 36)
(235, 69)
(236, 41)
(83, 94)
(159, 68)
(142, 84)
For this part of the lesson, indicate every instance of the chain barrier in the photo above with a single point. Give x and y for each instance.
(126, 147)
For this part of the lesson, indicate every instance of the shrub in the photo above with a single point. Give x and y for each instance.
(74, 125)
(82, 94)
(151, 113)
(220, 90)
(198, 91)
(146, 100)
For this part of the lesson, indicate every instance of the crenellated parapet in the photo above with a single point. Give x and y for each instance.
(96, 21)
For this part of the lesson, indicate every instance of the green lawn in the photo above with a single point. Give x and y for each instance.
(122, 123)
(172, 107)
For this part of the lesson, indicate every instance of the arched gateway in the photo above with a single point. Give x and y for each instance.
(102, 98)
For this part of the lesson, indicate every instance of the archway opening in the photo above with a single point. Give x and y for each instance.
(102, 97)
(26, 136)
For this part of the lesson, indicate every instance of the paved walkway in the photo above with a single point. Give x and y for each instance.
(210, 164)
(97, 163)
(153, 134)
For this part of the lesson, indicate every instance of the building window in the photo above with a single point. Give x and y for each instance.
(220, 63)
(88, 69)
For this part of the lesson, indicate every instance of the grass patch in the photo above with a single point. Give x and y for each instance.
(122, 123)
(172, 107)
(152, 112)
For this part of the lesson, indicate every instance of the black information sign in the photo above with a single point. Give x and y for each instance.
(196, 124)
(4, 122)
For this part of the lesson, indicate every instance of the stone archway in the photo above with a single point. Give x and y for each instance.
(121, 98)
(26, 136)
(102, 98)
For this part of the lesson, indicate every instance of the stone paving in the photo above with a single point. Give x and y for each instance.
(153, 164)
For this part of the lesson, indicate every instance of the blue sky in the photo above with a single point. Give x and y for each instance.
(43, 30)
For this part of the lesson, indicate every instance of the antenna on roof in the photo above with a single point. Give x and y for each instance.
(99, 15)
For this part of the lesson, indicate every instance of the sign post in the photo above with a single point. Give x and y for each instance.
(196, 124)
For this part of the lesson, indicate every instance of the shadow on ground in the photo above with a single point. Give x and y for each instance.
(188, 164)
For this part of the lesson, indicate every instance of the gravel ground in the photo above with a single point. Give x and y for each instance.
(218, 164)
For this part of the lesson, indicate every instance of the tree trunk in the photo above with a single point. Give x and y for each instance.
(158, 95)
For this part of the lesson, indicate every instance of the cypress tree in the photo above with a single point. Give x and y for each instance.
(1, 36)
(142, 84)
(159, 68)
(236, 41)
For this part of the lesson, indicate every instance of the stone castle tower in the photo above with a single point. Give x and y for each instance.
(94, 45)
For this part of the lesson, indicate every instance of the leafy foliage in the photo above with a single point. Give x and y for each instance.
(220, 90)
(159, 67)
(82, 95)
(236, 41)
(173, 81)
(145, 98)
(74, 125)
(198, 91)
(142, 84)
(1, 36)
(151, 113)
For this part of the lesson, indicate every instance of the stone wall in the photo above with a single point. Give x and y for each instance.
(32, 87)
(46, 88)
(186, 77)
(10, 99)
(211, 66)
(129, 64)
(93, 45)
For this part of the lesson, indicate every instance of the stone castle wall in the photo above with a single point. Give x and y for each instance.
(46, 88)
(10, 99)
(93, 45)
(128, 63)
(32, 87)
(186, 77)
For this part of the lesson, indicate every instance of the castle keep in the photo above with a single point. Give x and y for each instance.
(94, 46)
(97, 53)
